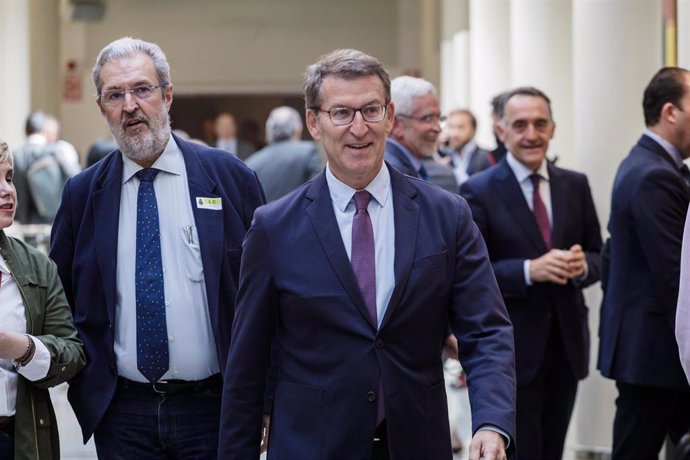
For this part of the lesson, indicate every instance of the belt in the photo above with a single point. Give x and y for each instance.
(173, 386)
(6, 421)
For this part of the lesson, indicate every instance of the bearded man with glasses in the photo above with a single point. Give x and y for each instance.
(354, 278)
(148, 244)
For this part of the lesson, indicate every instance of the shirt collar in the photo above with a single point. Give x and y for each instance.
(522, 172)
(467, 148)
(342, 194)
(667, 146)
(410, 156)
(170, 161)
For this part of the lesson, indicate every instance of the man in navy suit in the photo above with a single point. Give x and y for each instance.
(649, 203)
(543, 237)
(463, 155)
(356, 302)
(128, 279)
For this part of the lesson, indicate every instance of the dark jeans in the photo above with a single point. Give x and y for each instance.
(142, 424)
(7, 442)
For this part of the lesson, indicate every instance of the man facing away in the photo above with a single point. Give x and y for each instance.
(543, 237)
(354, 279)
(637, 345)
(148, 245)
(287, 162)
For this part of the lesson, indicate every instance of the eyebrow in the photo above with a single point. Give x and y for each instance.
(122, 87)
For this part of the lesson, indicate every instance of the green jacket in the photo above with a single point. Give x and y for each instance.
(48, 317)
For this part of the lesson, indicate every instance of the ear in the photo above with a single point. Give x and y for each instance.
(500, 131)
(553, 129)
(313, 125)
(168, 96)
(390, 117)
(100, 106)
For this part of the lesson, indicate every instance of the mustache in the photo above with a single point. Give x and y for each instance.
(134, 117)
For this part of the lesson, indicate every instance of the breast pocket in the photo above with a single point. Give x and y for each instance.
(434, 260)
(193, 265)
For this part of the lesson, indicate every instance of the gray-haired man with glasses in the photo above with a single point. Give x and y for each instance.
(412, 145)
(148, 244)
(354, 278)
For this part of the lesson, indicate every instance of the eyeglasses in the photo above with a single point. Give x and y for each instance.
(426, 119)
(341, 116)
(116, 97)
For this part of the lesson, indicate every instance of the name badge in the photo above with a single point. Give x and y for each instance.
(215, 204)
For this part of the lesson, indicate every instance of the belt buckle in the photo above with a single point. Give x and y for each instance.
(162, 390)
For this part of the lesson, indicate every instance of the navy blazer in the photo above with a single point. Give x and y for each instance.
(84, 247)
(648, 208)
(298, 292)
(397, 158)
(511, 233)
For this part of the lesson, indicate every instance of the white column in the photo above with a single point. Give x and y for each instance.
(454, 87)
(489, 60)
(541, 56)
(14, 77)
(616, 50)
(684, 33)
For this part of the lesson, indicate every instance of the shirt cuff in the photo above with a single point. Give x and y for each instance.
(525, 269)
(577, 281)
(496, 429)
(38, 367)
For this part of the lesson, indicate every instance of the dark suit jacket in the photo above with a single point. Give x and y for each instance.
(283, 166)
(648, 208)
(512, 236)
(479, 161)
(396, 157)
(298, 291)
(84, 246)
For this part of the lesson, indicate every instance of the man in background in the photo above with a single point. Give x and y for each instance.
(637, 346)
(543, 237)
(287, 161)
(464, 156)
(226, 137)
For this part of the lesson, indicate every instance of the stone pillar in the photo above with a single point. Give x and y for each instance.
(616, 50)
(541, 56)
(490, 69)
(15, 76)
(454, 87)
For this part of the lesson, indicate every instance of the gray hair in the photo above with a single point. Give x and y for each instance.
(406, 89)
(5, 154)
(127, 47)
(282, 124)
(348, 64)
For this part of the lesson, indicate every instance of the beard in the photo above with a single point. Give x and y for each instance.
(148, 144)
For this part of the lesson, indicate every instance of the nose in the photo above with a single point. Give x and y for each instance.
(531, 131)
(130, 103)
(358, 127)
(5, 188)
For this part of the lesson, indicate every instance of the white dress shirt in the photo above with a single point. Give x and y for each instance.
(191, 342)
(381, 213)
(13, 319)
(461, 161)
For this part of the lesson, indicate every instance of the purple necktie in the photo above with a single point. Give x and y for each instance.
(539, 209)
(363, 259)
(364, 265)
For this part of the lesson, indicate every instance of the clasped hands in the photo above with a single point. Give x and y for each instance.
(558, 265)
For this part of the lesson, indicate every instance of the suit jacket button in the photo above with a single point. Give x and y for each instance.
(379, 343)
(371, 396)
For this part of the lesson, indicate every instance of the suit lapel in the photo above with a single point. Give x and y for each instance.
(320, 212)
(209, 224)
(509, 190)
(106, 212)
(559, 205)
(406, 217)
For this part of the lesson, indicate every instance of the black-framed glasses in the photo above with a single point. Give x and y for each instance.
(116, 97)
(426, 119)
(341, 116)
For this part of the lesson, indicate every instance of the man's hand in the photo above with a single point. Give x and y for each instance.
(558, 266)
(487, 445)
(264, 435)
(450, 347)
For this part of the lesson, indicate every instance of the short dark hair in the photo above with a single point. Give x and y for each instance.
(667, 86)
(525, 91)
(473, 119)
(35, 122)
(348, 64)
(498, 103)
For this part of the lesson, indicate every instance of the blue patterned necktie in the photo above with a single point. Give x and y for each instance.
(152, 334)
